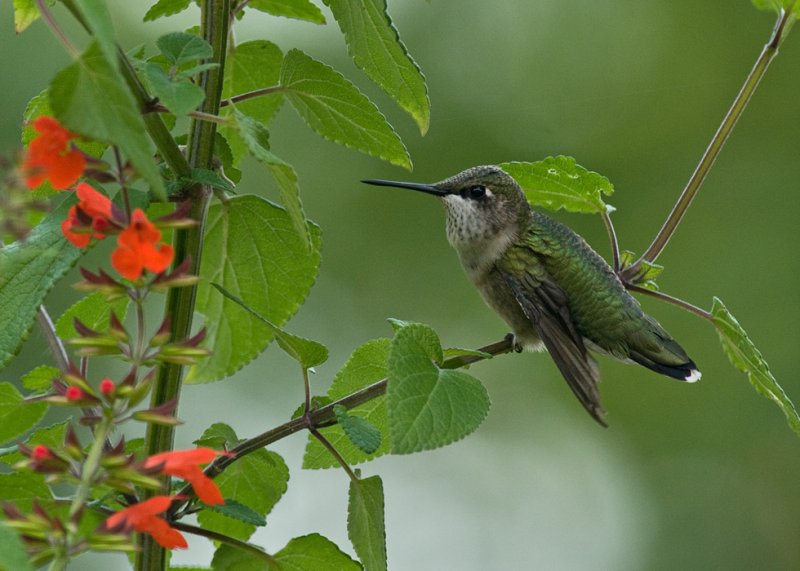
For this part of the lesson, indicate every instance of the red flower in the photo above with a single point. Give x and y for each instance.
(107, 386)
(73, 394)
(94, 210)
(138, 249)
(50, 156)
(142, 517)
(41, 452)
(185, 465)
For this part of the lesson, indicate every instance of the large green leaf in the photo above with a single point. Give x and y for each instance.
(375, 46)
(28, 271)
(166, 8)
(365, 366)
(91, 98)
(12, 551)
(22, 488)
(50, 436)
(559, 182)
(251, 66)
(252, 250)
(747, 358)
(307, 553)
(16, 415)
(429, 406)
(97, 18)
(257, 481)
(365, 522)
(337, 110)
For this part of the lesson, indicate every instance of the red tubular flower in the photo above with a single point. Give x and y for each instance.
(107, 386)
(41, 452)
(94, 211)
(73, 394)
(141, 517)
(138, 249)
(50, 156)
(185, 465)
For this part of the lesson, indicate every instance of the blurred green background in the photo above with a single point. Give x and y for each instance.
(686, 477)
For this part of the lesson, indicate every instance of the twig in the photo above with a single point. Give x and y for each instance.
(221, 537)
(673, 300)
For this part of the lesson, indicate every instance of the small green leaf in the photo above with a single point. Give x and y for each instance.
(12, 551)
(365, 522)
(776, 5)
(361, 432)
(180, 47)
(212, 179)
(94, 311)
(180, 97)
(16, 415)
(375, 46)
(251, 66)
(253, 251)
(429, 407)
(92, 84)
(367, 365)
(257, 480)
(297, 9)
(241, 512)
(50, 436)
(305, 351)
(457, 352)
(166, 8)
(41, 378)
(559, 182)
(26, 13)
(219, 436)
(307, 553)
(335, 109)
(744, 355)
(256, 138)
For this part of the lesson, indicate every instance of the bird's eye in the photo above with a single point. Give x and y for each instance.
(476, 192)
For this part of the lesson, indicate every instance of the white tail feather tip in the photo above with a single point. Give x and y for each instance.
(694, 376)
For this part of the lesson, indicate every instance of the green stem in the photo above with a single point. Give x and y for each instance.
(717, 142)
(333, 452)
(188, 244)
(222, 538)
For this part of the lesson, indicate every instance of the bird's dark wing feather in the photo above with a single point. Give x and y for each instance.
(545, 304)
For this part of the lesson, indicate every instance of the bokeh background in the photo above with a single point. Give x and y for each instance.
(686, 477)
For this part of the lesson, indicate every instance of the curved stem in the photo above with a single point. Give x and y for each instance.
(53, 340)
(715, 146)
(188, 244)
(612, 238)
(333, 452)
(251, 95)
(222, 538)
(673, 300)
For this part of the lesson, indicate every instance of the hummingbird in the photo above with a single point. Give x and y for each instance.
(548, 284)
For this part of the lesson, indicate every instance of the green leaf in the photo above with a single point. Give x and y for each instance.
(251, 66)
(375, 46)
(40, 379)
(256, 138)
(365, 522)
(50, 436)
(94, 311)
(360, 431)
(219, 436)
(457, 352)
(297, 9)
(559, 182)
(257, 480)
(253, 251)
(166, 8)
(367, 365)
(16, 415)
(12, 551)
(307, 553)
(22, 488)
(305, 351)
(744, 355)
(241, 512)
(98, 20)
(335, 109)
(776, 5)
(180, 47)
(28, 271)
(26, 13)
(429, 407)
(181, 97)
(90, 98)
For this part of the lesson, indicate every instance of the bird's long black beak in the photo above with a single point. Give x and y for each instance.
(427, 188)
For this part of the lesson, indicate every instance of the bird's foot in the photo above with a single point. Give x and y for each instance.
(513, 339)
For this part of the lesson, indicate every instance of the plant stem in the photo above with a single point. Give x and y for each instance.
(673, 300)
(47, 16)
(333, 452)
(222, 538)
(324, 416)
(612, 238)
(251, 95)
(188, 244)
(53, 340)
(720, 137)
